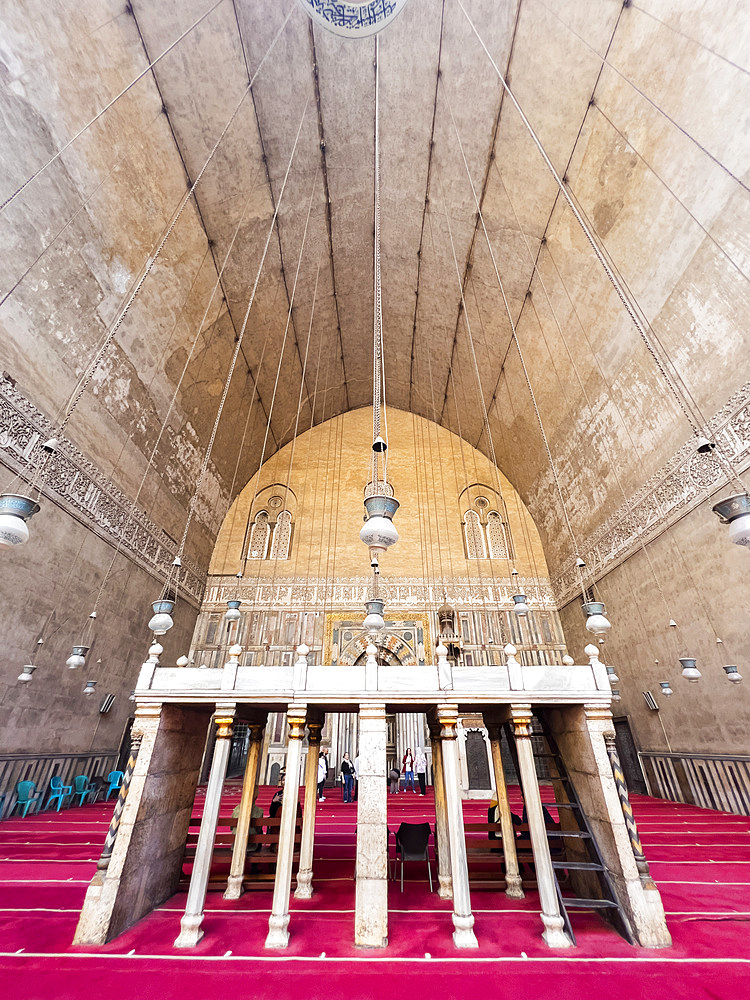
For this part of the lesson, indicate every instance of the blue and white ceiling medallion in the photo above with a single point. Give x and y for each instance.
(353, 20)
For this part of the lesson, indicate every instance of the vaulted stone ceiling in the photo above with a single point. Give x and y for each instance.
(655, 160)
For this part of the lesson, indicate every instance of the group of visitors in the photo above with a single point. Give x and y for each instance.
(348, 772)
(411, 764)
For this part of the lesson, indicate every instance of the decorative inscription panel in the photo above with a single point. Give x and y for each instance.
(397, 592)
(677, 488)
(78, 487)
(353, 19)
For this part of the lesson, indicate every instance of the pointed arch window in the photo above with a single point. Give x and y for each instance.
(259, 535)
(474, 536)
(282, 536)
(497, 539)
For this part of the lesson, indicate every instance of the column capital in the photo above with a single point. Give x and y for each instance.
(521, 718)
(494, 730)
(314, 731)
(147, 715)
(372, 710)
(224, 722)
(435, 729)
(255, 730)
(296, 716)
(448, 718)
(595, 712)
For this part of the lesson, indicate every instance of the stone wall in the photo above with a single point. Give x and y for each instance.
(702, 579)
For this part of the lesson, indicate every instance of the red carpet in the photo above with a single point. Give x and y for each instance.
(700, 859)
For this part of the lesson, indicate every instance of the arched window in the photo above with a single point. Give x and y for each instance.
(282, 536)
(497, 541)
(474, 535)
(259, 533)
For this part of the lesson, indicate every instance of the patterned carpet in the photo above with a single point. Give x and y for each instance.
(700, 860)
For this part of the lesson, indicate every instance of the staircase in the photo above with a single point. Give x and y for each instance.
(582, 881)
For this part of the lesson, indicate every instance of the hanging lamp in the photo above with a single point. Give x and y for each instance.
(378, 532)
(78, 657)
(689, 670)
(666, 689)
(520, 606)
(374, 620)
(734, 511)
(596, 622)
(733, 674)
(162, 620)
(15, 510)
(233, 613)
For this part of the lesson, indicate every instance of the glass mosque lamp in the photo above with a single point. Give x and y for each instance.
(596, 622)
(15, 511)
(734, 511)
(162, 620)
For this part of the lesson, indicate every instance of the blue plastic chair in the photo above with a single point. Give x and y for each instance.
(26, 796)
(58, 792)
(115, 780)
(83, 788)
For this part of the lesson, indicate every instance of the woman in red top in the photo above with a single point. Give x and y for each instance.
(407, 766)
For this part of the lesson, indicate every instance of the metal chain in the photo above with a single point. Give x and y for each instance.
(667, 376)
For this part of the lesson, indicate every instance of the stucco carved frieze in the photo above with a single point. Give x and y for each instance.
(398, 592)
(78, 487)
(686, 481)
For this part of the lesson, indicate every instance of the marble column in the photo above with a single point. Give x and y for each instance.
(463, 919)
(371, 904)
(249, 790)
(553, 934)
(514, 886)
(190, 925)
(278, 922)
(304, 888)
(442, 842)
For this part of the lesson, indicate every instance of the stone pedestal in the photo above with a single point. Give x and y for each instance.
(579, 734)
(146, 858)
(514, 888)
(553, 934)
(190, 925)
(463, 919)
(249, 790)
(442, 842)
(304, 888)
(278, 922)
(371, 906)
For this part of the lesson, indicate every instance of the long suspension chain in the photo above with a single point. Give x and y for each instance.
(671, 377)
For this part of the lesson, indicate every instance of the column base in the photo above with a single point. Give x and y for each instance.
(514, 887)
(190, 933)
(554, 936)
(234, 887)
(463, 935)
(445, 887)
(278, 933)
(304, 888)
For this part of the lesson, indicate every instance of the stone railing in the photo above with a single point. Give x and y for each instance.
(713, 781)
(546, 684)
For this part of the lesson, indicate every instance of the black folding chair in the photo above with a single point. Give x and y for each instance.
(411, 845)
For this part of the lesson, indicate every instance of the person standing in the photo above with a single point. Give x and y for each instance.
(407, 767)
(347, 773)
(322, 773)
(420, 769)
